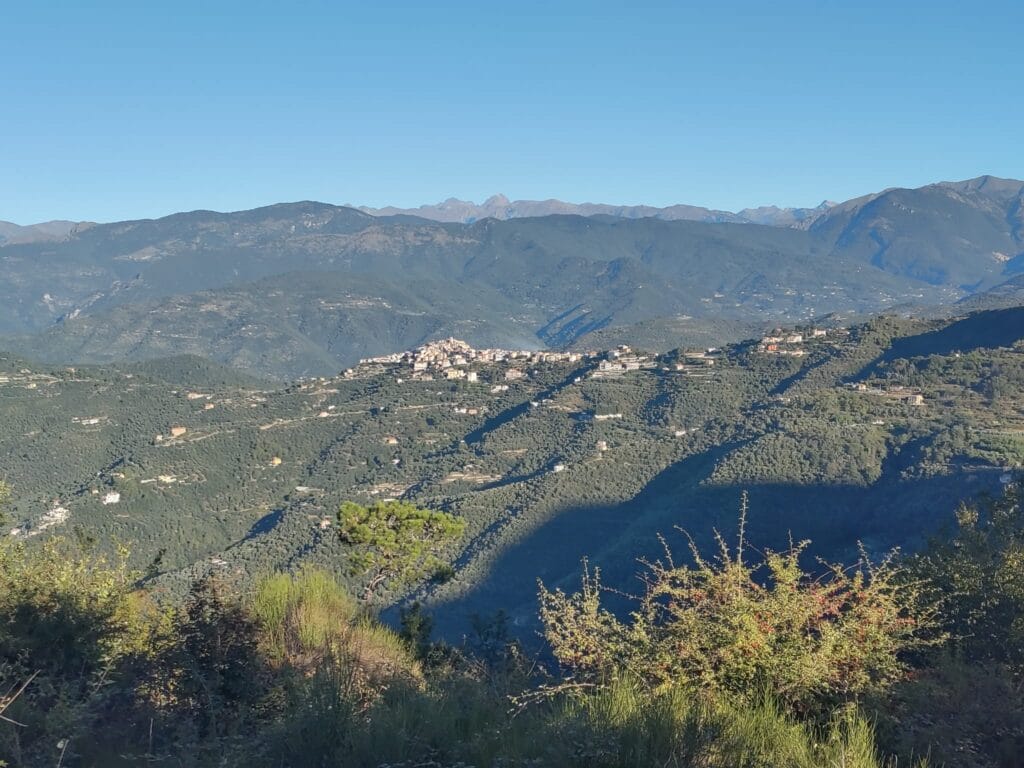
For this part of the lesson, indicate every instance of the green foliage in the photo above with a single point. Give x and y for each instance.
(742, 630)
(303, 678)
(396, 541)
(416, 626)
(624, 724)
(298, 674)
(462, 718)
(981, 570)
(213, 665)
(68, 621)
(301, 614)
(967, 708)
(959, 713)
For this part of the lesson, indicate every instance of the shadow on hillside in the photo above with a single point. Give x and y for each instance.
(989, 329)
(510, 414)
(263, 526)
(615, 537)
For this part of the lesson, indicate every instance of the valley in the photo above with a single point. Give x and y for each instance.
(702, 447)
(866, 434)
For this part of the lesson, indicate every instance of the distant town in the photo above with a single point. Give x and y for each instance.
(454, 359)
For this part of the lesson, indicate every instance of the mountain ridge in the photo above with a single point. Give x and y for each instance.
(44, 231)
(346, 284)
(454, 210)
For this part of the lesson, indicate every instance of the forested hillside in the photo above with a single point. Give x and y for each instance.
(862, 435)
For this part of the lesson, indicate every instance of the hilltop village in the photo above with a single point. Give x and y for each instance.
(454, 359)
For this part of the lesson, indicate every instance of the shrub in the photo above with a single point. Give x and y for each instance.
(67, 622)
(309, 622)
(981, 571)
(970, 715)
(730, 628)
(301, 614)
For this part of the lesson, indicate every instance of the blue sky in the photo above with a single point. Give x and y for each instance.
(124, 110)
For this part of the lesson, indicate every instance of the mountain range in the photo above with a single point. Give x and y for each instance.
(500, 207)
(307, 288)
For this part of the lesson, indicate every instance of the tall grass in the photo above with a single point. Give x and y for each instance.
(624, 726)
(302, 613)
(358, 698)
(462, 722)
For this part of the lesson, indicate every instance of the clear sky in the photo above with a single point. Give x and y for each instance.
(137, 109)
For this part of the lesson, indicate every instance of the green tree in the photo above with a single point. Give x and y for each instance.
(217, 671)
(395, 541)
(981, 570)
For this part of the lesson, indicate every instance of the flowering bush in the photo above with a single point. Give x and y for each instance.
(749, 630)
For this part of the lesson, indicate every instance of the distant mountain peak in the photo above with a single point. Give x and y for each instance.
(992, 187)
(46, 231)
(499, 206)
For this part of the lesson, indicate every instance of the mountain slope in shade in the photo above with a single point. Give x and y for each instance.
(1004, 295)
(286, 326)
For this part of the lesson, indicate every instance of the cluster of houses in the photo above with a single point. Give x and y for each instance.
(699, 363)
(900, 393)
(28, 380)
(789, 344)
(453, 359)
(619, 361)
